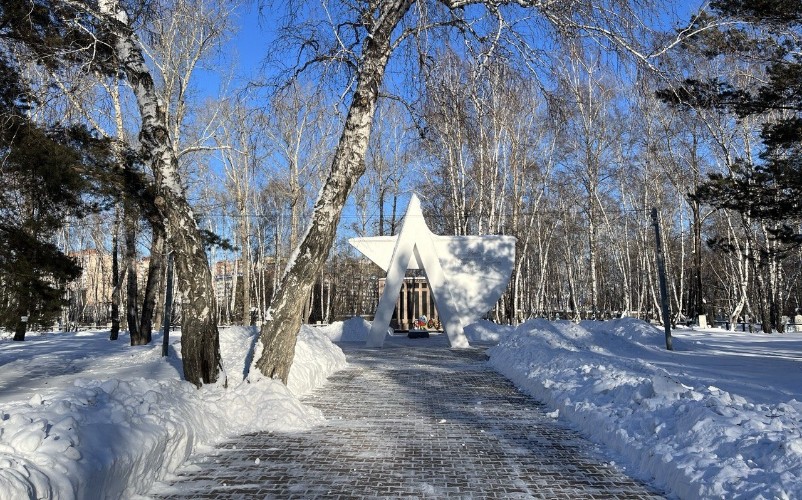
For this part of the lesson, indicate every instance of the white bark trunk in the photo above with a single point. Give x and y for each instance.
(278, 335)
(200, 341)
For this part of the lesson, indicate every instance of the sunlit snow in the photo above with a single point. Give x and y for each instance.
(718, 417)
(84, 417)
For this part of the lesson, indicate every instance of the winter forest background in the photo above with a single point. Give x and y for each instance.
(563, 128)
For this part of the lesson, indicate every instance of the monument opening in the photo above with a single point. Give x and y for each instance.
(415, 308)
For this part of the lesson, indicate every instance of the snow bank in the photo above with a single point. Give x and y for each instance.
(658, 410)
(484, 331)
(355, 329)
(315, 359)
(107, 419)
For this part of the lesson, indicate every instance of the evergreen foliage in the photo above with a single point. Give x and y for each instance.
(45, 175)
(768, 33)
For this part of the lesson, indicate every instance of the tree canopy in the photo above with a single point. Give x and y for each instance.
(45, 174)
(767, 34)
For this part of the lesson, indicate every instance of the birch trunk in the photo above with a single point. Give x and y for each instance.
(740, 272)
(593, 256)
(200, 347)
(395, 209)
(246, 270)
(543, 256)
(278, 335)
(232, 299)
(695, 294)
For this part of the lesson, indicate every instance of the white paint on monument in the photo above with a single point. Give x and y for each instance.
(466, 274)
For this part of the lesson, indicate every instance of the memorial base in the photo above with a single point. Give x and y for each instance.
(418, 334)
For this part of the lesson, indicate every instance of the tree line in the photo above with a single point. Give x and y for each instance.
(561, 126)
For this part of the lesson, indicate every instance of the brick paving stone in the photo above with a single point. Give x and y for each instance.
(412, 420)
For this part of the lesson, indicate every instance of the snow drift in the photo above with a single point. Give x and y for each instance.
(106, 419)
(671, 415)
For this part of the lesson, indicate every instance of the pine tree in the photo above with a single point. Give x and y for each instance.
(102, 37)
(765, 34)
(42, 180)
(769, 188)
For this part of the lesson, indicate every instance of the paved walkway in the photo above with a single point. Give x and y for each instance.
(414, 420)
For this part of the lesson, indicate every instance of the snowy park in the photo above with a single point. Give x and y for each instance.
(400, 248)
(718, 417)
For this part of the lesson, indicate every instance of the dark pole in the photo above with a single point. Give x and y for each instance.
(168, 302)
(115, 280)
(661, 271)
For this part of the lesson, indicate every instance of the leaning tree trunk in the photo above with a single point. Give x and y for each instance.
(200, 341)
(200, 346)
(280, 332)
(156, 270)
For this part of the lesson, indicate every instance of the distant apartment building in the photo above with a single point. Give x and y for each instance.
(89, 296)
(224, 273)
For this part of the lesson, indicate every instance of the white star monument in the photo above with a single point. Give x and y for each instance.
(466, 274)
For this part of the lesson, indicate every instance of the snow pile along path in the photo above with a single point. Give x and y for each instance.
(664, 411)
(316, 357)
(83, 417)
(355, 329)
(484, 332)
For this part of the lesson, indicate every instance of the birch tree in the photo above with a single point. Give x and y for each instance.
(388, 160)
(588, 97)
(242, 149)
(364, 39)
(278, 335)
(200, 345)
(299, 134)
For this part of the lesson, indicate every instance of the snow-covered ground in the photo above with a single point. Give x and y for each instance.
(718, 417)
(84, 417)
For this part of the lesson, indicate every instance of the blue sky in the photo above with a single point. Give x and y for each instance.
(252, 42)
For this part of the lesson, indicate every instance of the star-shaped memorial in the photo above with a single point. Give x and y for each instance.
(466, 274)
